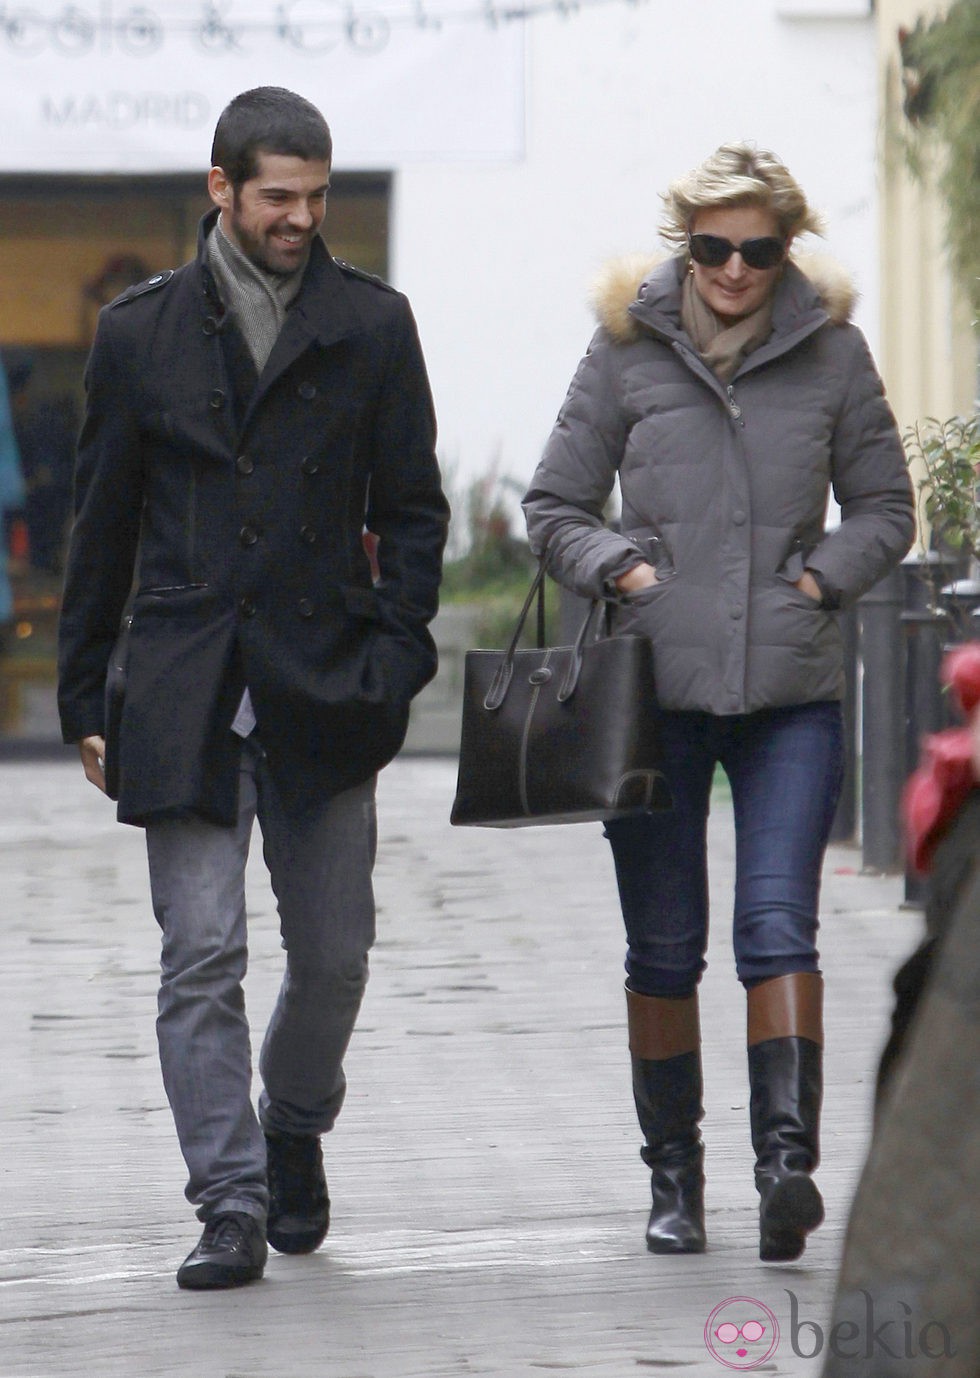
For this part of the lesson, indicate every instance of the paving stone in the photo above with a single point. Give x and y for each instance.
(489, 1201)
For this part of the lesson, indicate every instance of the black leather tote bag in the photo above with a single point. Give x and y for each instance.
(559, 734)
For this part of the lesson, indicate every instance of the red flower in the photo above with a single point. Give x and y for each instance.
(961, 670)
(936, 790)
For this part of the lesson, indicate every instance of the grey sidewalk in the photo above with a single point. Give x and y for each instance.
(489, 1201)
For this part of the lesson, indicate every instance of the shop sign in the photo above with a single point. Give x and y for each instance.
(109, 86)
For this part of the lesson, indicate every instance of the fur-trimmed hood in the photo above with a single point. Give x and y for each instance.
(618, 286)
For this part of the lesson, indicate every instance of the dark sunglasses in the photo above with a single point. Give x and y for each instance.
(711, 251)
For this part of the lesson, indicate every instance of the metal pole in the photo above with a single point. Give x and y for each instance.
(882, 722)
(844, 826)
(572, 607)
(926, 635)
(926, 628)
(960, 600)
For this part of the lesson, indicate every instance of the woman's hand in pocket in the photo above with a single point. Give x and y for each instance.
(808, 585)
(642, 576)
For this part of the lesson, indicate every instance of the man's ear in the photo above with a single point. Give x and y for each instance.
(219, 188)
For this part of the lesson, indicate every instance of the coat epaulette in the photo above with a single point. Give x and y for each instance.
(364, 276)
(140, 289)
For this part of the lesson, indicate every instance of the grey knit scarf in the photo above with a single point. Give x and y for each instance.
(257, 300)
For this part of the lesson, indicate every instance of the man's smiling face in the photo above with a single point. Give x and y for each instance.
(274, 216)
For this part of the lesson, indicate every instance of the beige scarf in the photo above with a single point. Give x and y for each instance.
(722, 347)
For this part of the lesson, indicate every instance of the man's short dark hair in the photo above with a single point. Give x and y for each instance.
(267, 119)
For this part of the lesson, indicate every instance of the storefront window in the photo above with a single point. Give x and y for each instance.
(69, 246)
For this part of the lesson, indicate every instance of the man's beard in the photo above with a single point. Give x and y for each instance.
(256, 250)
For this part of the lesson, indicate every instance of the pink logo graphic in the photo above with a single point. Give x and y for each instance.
(741, 1333)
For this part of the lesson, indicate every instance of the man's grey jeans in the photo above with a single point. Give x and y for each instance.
(320, 866)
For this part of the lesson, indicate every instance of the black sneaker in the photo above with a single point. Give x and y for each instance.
(230, 1253)
(299, 1207)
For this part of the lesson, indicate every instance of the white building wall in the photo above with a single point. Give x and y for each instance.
(620, 99)
(496, 251)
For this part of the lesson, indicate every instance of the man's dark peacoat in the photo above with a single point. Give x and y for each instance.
(236, 509)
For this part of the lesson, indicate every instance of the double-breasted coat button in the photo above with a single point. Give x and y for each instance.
(307, 391)
(210, 326)
(244, 464)
(246, 606)
(217, 400)
(305, 607)
(310, 465)
(248, 535)
(308, 534)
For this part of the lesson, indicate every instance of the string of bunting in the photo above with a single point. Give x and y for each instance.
(314, 27)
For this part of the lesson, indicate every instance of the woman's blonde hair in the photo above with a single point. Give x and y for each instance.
(737, 175)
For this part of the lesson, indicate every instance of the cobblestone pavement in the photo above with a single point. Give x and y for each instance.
(489, 1200)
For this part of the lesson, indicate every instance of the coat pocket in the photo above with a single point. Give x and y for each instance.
(794, 561)
(362, 603)
(641, 611)
(655, 551)
(168, 590)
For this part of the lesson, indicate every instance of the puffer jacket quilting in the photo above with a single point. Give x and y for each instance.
(725, 489)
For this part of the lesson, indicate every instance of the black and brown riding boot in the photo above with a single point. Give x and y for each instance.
(785, 1048)
(665, 1049)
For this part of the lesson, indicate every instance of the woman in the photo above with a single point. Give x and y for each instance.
(729, 393)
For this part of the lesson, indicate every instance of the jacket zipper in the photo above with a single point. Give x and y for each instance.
(699, 370)
(733, 407)
(734, 410)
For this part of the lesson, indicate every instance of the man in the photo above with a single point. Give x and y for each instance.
(248, 417)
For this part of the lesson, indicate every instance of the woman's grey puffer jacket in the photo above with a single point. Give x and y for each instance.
(724, 489)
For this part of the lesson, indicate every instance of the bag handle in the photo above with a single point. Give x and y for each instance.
(570, 683)
(505, 671)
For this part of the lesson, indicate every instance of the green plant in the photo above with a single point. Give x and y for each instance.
(947, 456)
(491, 555)
(494, 567)
(941, 69)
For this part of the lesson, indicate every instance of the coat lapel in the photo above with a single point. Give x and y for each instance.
(321, 314)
